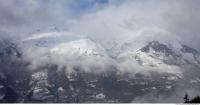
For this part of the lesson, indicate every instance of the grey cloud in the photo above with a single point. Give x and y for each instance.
(183, 20)
(116, 22)
(19, 17)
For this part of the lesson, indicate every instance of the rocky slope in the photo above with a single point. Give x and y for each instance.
(82, 71)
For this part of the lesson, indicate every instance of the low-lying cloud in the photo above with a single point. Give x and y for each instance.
(108, 22)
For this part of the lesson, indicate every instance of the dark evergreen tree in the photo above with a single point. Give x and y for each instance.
(186, 98)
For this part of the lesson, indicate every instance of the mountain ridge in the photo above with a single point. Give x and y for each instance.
(155, 67)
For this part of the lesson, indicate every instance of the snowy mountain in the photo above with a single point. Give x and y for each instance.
(52, 67)
(63, 43)
(156, 54)
(84, 47)
(82, 51)
(58, 47)
(159, 57)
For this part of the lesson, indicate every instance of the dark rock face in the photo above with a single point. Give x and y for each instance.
(158, 47)
(187, 49)
(83, 87)
(15, 77)
(9, 49)
(194, 52)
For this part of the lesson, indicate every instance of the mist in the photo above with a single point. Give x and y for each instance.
(117, 20)
(109, 23)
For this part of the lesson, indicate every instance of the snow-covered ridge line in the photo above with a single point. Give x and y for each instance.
(154, 56)
(46, 35)
(82, 46)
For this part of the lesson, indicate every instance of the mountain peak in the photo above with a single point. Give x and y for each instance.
(8, 48)
(158, 47)
(84, 46)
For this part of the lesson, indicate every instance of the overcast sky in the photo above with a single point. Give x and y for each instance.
(120, 20)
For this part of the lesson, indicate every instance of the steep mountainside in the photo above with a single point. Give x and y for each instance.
(81, 70)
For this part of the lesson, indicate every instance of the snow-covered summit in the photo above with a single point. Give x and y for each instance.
(156, 53)
(49, 39)
(64, 43)
(85, 47)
